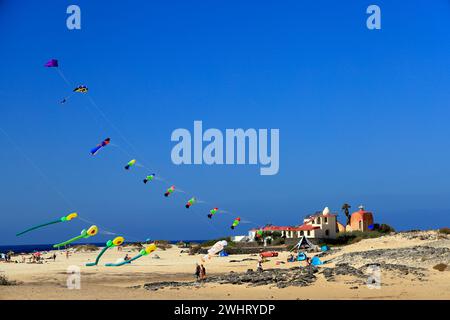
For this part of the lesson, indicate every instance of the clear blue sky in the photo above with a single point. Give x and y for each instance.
(363, 115)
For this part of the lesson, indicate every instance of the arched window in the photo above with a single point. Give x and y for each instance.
(318, 220)
(327, 232)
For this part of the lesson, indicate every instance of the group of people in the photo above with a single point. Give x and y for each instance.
(35, 257)
(5, 257)
(200, 272)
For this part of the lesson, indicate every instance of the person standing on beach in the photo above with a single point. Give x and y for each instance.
(67, 254)
(203, 273)
(259, 266)
(54, 257)
(197, 271)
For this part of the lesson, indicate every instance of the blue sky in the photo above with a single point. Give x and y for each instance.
(363, 115)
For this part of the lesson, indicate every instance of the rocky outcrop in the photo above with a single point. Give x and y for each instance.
(411, 256)
(282, 278)
(362, 273)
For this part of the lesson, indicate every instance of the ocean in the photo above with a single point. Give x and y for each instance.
(47, 247)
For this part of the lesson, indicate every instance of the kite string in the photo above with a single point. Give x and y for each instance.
(107, 229)
(122, 135)
(37, 168)
(64, 77)
(70, 85)
(43, 175)
(106, 118)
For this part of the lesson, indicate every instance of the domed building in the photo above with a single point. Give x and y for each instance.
(361, 220)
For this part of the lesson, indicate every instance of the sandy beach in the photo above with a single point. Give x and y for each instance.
(48, 280)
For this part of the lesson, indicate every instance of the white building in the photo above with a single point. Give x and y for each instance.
(321, 225)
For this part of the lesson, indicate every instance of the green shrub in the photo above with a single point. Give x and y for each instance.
(278, 241)
(272, 234)
(385, 228)
(444, 230)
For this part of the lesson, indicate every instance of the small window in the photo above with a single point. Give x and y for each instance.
(318, 220)
(302, 233)
(327, 232)
(325, 219)
(308, 233)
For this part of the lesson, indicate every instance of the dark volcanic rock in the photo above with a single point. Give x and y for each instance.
(342, 269)
(362, 272)
(282, 278)
(402, 256)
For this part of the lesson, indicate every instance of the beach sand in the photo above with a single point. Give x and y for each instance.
(48, 280)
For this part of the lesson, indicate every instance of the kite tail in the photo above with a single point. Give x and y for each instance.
(98, 258)
(123, 262)
(135, 258)
(95, 150)
(37, 227)
(68, 241)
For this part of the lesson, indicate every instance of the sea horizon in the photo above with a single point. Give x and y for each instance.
(28, 248)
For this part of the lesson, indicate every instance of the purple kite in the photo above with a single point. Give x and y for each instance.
(53, 63)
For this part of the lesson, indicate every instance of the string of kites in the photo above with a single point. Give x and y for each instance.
(93, 230)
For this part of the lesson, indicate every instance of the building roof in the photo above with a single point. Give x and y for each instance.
(304, 227)
(361, 212)
(320, 214)
(276, 228)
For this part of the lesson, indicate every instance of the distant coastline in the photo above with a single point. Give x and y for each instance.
(28, 248)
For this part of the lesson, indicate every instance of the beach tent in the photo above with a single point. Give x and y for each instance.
(223, 254)
(303, 243)
(315, 261)
(301, 257)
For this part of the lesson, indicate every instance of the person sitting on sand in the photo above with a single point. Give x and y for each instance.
(126, 257)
